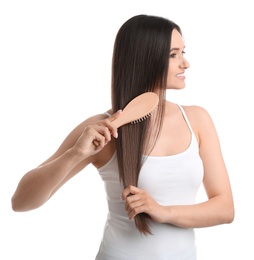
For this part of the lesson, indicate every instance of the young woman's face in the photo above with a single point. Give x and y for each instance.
(177, 63)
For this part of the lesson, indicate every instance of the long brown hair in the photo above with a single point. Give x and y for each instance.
(139, 64)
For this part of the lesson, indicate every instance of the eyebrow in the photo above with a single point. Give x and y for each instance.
(176, 49)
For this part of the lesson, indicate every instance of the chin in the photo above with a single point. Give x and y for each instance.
(176, 87)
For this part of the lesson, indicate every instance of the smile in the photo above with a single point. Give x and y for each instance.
(181, 76)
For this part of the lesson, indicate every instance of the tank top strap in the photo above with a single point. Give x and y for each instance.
(106, 113)
(186, 118)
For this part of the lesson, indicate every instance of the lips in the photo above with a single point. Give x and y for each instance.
(181, 76)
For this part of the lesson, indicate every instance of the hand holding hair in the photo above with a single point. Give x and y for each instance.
(139, 201)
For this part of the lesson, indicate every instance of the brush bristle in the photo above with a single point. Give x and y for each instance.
(141, 119)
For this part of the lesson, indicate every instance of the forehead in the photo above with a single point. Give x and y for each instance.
(176, 40)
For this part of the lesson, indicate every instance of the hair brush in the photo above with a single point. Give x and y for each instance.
(138, 109)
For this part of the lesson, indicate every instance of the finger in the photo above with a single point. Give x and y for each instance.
(112, 127)
(130, 190)
(101, 137)
(108, 128)
(125, 193)
(104, 133)
(137, 210)
(130, 205)
(96, 143)
(99, 142)
(115, 115)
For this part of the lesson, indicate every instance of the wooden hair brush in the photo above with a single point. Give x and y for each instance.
(138, 109)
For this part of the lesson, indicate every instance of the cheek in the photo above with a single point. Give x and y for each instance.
(170, 76)
(171, 70)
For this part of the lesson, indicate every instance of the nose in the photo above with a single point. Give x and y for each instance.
(184, 63)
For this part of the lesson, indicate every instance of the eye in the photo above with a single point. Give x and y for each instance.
(173, 55)
(183, 52)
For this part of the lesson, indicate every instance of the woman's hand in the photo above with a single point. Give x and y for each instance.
(139, 201)
(96, 136)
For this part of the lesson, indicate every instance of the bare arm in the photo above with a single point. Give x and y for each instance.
(219, 207)
(80, 148)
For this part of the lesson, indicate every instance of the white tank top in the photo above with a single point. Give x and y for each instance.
(170, 180)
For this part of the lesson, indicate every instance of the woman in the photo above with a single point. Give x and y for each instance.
(152, 170)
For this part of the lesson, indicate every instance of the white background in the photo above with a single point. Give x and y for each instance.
(55, 65)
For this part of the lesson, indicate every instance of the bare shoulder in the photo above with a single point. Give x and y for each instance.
(197, 114)
(76, 132)
(95, 118)
(90, 120)
(199, 119)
